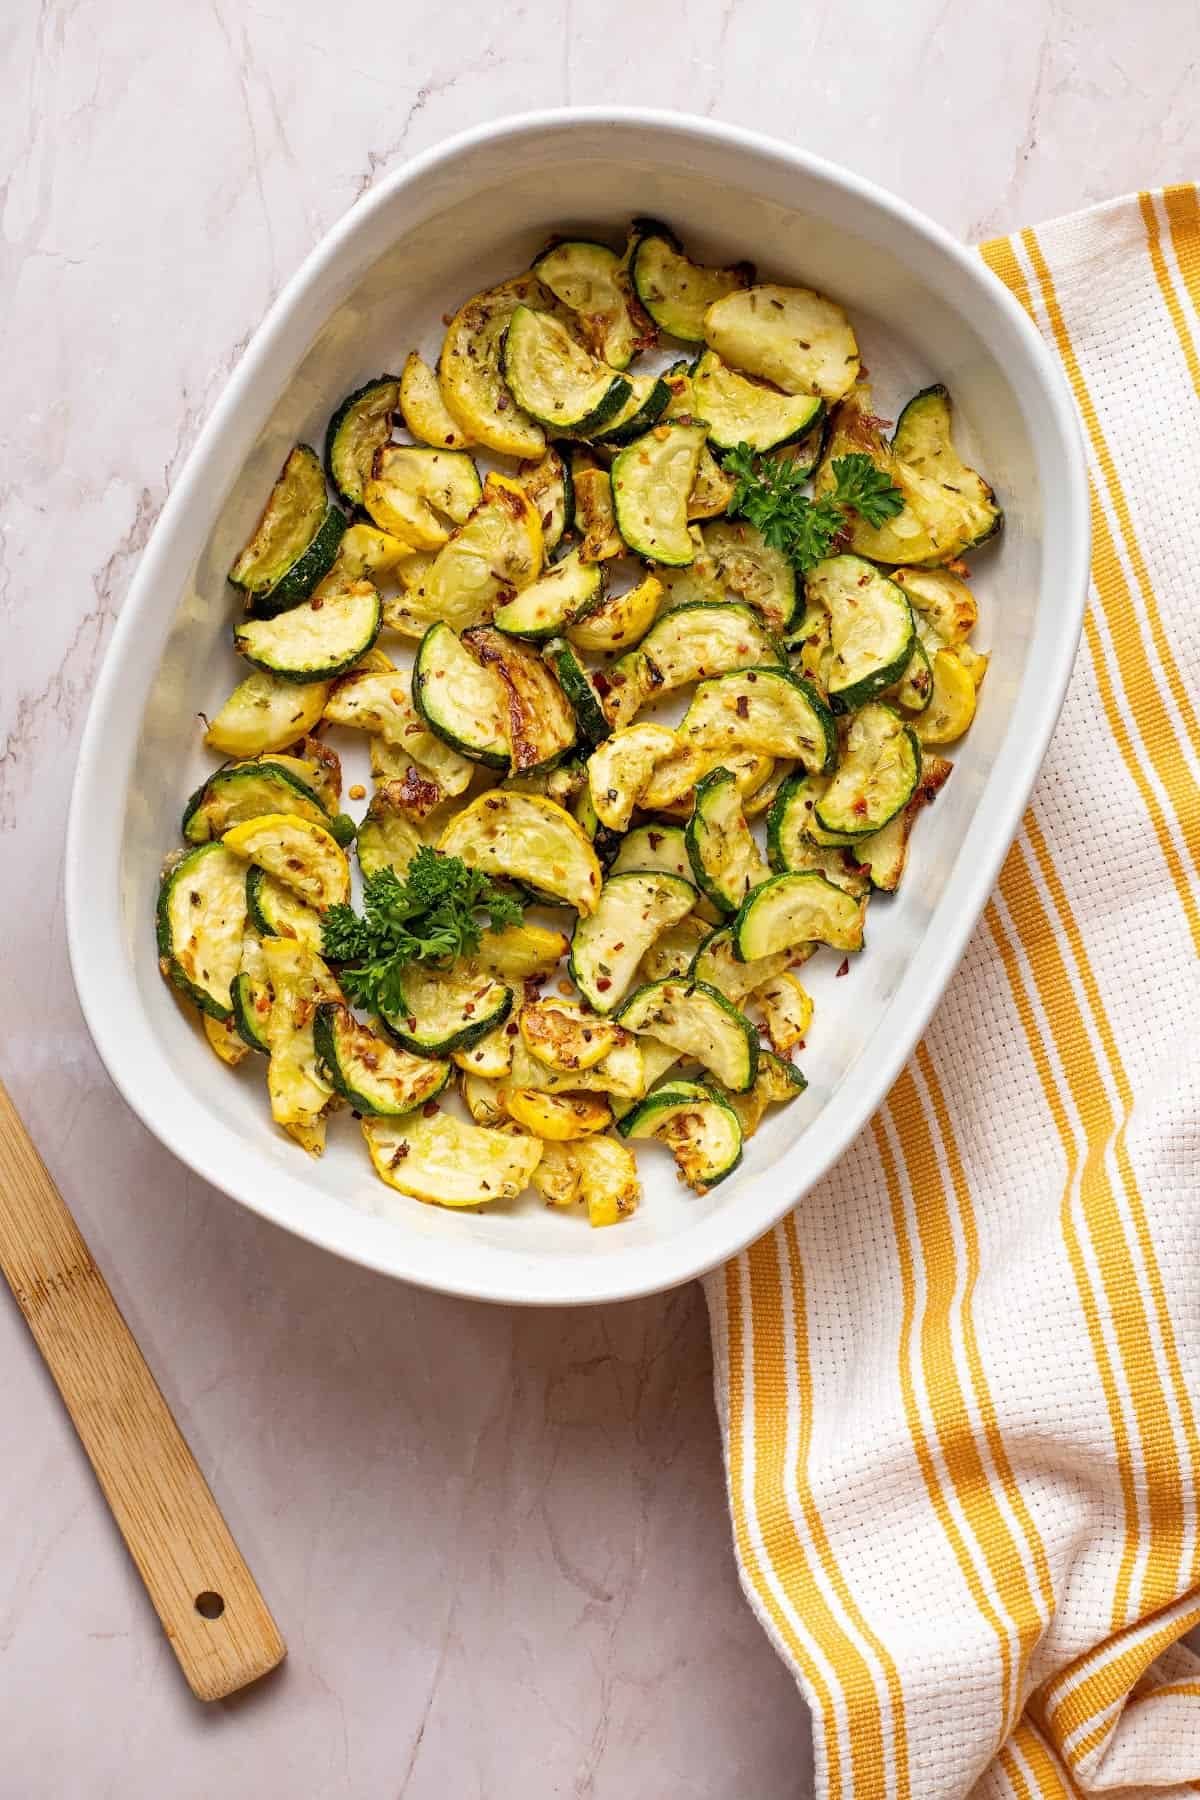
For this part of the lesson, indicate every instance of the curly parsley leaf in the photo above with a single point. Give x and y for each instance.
(432, 916)
(769, 492)
(861, 484)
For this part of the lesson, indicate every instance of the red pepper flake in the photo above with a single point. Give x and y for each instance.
(398, 1155)
(743, 706)
(845, 967)
(510, 1030)
(619, 946)
(316, 603)
(430, 1107)
(655, 839)
(603, 984)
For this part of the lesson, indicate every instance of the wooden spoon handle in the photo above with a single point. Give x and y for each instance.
(212, 1612)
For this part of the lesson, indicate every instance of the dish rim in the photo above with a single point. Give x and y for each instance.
(527, 1278)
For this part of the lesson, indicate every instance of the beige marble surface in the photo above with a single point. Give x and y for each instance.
(496, 1542)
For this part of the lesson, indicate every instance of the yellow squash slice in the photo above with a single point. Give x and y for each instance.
(303, 856)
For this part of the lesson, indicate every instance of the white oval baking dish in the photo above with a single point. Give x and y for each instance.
(446, 224)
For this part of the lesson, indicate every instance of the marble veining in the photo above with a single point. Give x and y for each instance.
(496, 1542)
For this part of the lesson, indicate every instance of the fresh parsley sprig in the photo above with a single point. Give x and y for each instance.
(432, 916)
(770, 494)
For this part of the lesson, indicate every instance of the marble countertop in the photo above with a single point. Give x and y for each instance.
(496, 1542)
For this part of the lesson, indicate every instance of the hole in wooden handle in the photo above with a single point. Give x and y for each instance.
(209, 1605)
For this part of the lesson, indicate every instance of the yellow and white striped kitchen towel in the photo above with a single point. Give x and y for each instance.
(959, 1386)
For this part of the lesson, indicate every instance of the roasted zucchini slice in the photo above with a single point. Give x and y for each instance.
(469, 371)
(591, 281)
(565, 1036)
(608, 1180)
(382, 703)
(245, 791)
(201, 921)
(738, 410)
(417, 493)
(568, 589)
(522, 952)
(777, 1082)
(786, 1009)
(295, 540)
(726, 861)
(619, 621)
(608, 945)
(619, 769)
(460, 700)
(951, 706)
(316, 640)
(448, 1162)
(493, 556)
(914, 690)
(675, 292)
(934, 526)
(554, 380)
(540, 722)
(651, 481)
(372, 1075)
(558, 1118)
(620, 1074)
(594, 516)
(301, 855)
(361, 425)
(754, 569)
(944, 609)
(583, 696)
(699, 1023)
(275, 911)
(673, 951)
(772, 712)
(529, 839)
(922, 442)
(712, 489)
(876, 776)
(654, 848)
(715, 962)
(648, 397)
(250, 996)
(871, 628)
(689, 643)
(299, 980)
(265, 713)
(791, 910)
(884, 856)
(698, 1125)
(672, 787)
(492, 1056)
(797, 339)
(387, 837)
(790, 849)
(447, 1009)
(224, 1039)
(424, 411)
(551, 492)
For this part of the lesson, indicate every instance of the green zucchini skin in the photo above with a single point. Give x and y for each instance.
(526, 322)
(576, 684)
(431, 652)
(646, 1115)
(714, 788)
(306, 572)
(189, 866)
(304, 675)
(632, 1013)
(245, 1015)
(331, 1022)
(647, 414)
(343, 478)
(215, 806)
(397, 1027)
